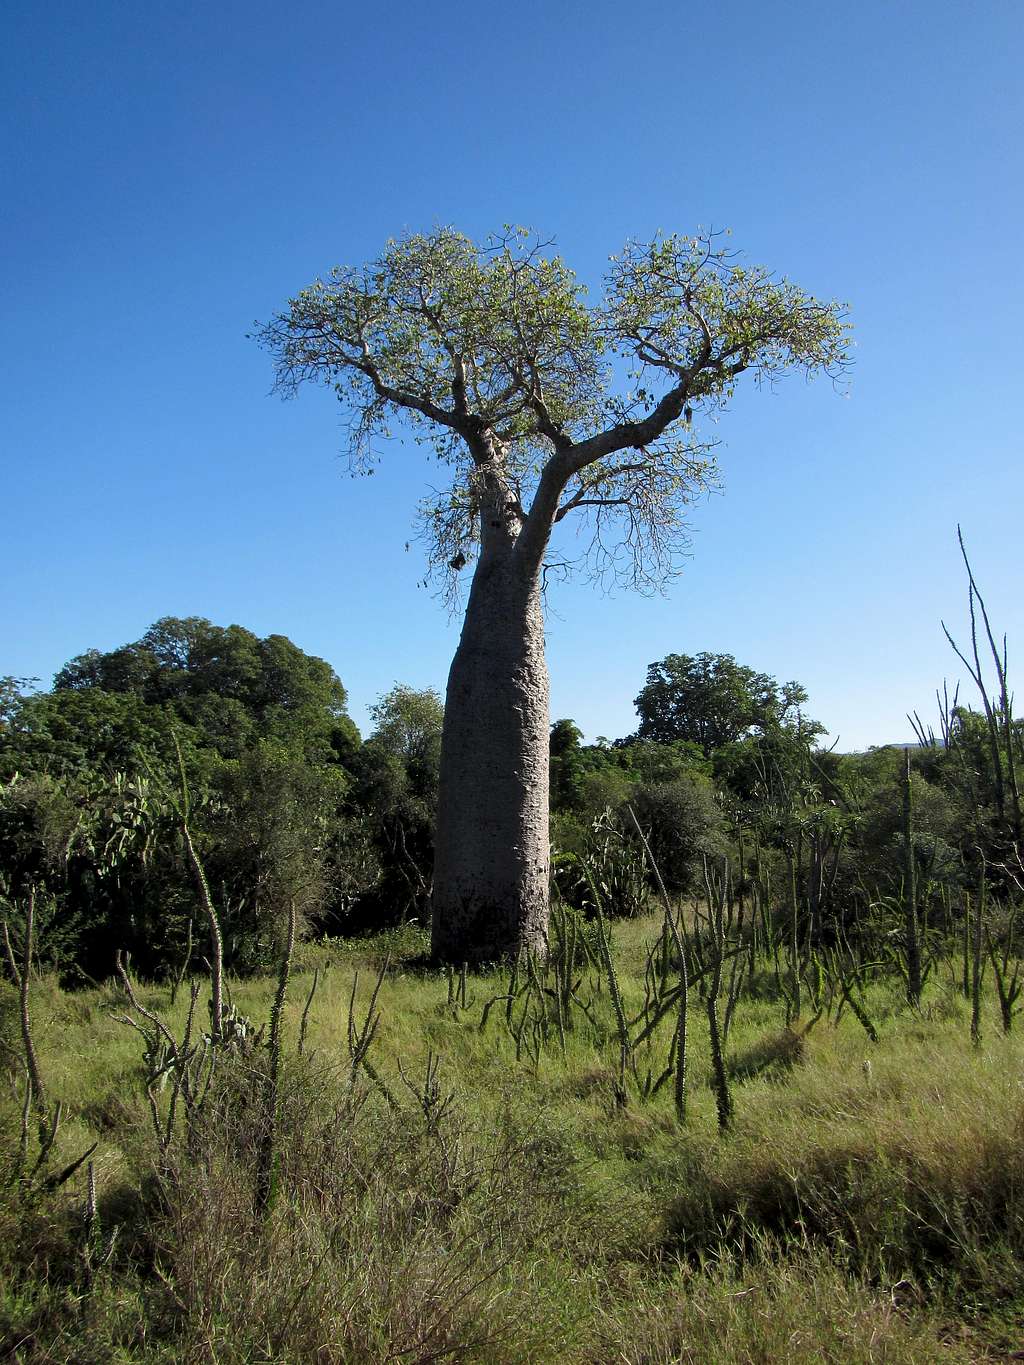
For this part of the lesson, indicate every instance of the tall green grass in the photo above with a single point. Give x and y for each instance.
(865, 1204)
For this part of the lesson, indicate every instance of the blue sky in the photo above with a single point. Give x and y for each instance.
(169, 174)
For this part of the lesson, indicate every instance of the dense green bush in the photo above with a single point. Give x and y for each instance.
(683, 824)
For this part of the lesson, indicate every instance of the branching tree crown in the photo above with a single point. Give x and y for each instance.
(710, 700)
(492, 354)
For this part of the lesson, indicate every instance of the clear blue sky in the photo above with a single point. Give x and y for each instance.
(170, 173)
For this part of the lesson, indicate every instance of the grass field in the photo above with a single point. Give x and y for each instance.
(438, 1199)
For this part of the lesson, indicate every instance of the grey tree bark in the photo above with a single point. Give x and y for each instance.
(490, 897)
(491, 866)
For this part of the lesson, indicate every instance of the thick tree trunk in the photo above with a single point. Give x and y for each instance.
(490, 895)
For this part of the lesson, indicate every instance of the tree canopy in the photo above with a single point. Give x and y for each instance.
(89, 774)
(232, 685)
(710, 700)
(493, 354)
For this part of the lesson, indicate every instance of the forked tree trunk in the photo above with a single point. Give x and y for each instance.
(490, 895)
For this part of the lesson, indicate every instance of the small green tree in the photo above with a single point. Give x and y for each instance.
(273, 847)
(397, 790)
(567, 766)
(683, 825)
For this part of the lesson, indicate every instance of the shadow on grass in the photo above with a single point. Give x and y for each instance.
(774, 1055)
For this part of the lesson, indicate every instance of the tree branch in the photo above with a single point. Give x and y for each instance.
(593, 502)
(497, 359)
(579, 499)
(403, 399)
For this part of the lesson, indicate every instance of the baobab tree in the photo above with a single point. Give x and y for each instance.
(543, 407)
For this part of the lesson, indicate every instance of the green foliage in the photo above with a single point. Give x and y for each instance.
(604, 788)
(494, 347)
(881, 838)
(104, 849)
(653, 763)
(612, 874)
(273, 841)
(88, 774)
(12, 691)
(709, 700)
(224, 682)
(684, 824)
(396, 789)
(566, 766)
(69, 733)
(407, 725)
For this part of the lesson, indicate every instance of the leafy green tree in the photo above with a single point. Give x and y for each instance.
(89, 771)
(566, 768)
(273, 840)
(128, 669)
(651, 762)
(710, 700)
(398, 769)
(605, 788)
(669, 788)
(87, 730)
(494, 356)
(407, 724)
(226, 683)
(12, 690)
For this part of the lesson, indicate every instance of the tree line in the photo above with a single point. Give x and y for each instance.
(291, 807)
(287, 804)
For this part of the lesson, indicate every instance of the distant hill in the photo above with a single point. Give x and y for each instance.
(890, 744)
